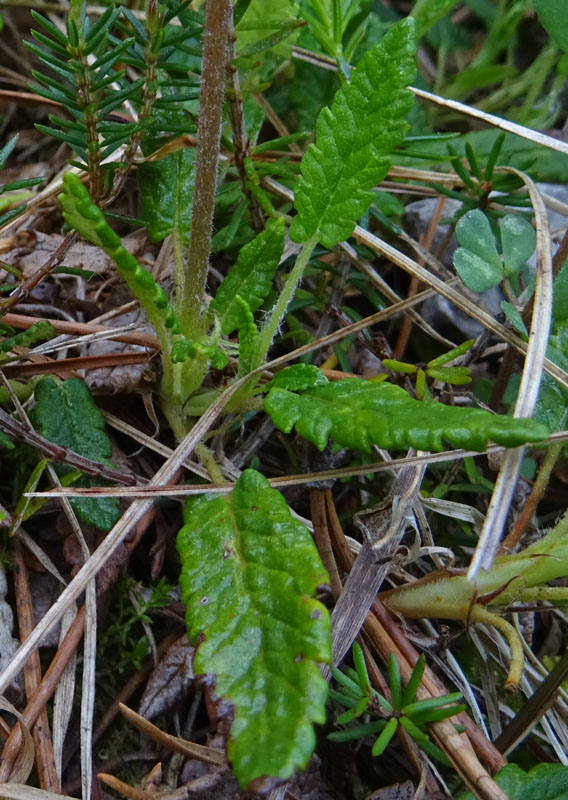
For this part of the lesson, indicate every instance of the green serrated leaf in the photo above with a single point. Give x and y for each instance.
(518, 239)
(357, 413)
(102, 512)
(428, 12)
(552, 404)
(354, 139)
(477, 260)
(249, 574)
(167, 189)
(251, 277)
(66, 414)
(552, 14)
(298, 377)
(248, 337)
(545, 782)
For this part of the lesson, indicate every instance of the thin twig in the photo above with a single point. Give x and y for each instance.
(24, 433)
(23, 290)
(167, 490)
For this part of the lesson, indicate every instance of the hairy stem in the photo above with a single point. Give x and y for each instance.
(279, 310)
(215, 38)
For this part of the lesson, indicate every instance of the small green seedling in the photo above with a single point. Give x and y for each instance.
(357, 695)
(457, 376)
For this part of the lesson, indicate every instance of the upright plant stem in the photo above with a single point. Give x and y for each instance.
(215, 38)
(279, 310)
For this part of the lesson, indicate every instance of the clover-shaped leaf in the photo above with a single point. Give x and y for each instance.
(477, 260)
(518, 239)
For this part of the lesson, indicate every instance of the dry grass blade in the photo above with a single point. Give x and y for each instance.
(500, 503)
(17, 791)
(23, 763)
(117, 535)
(189, 749)
(325, 62)
(79, 329)
(132, 792)
(45, 761)
(66, 366)
(383, 528)
(63, 696)
(23, 322)
(176, 490)
(496, 122)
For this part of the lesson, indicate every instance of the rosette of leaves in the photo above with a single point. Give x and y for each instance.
(358, 696)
